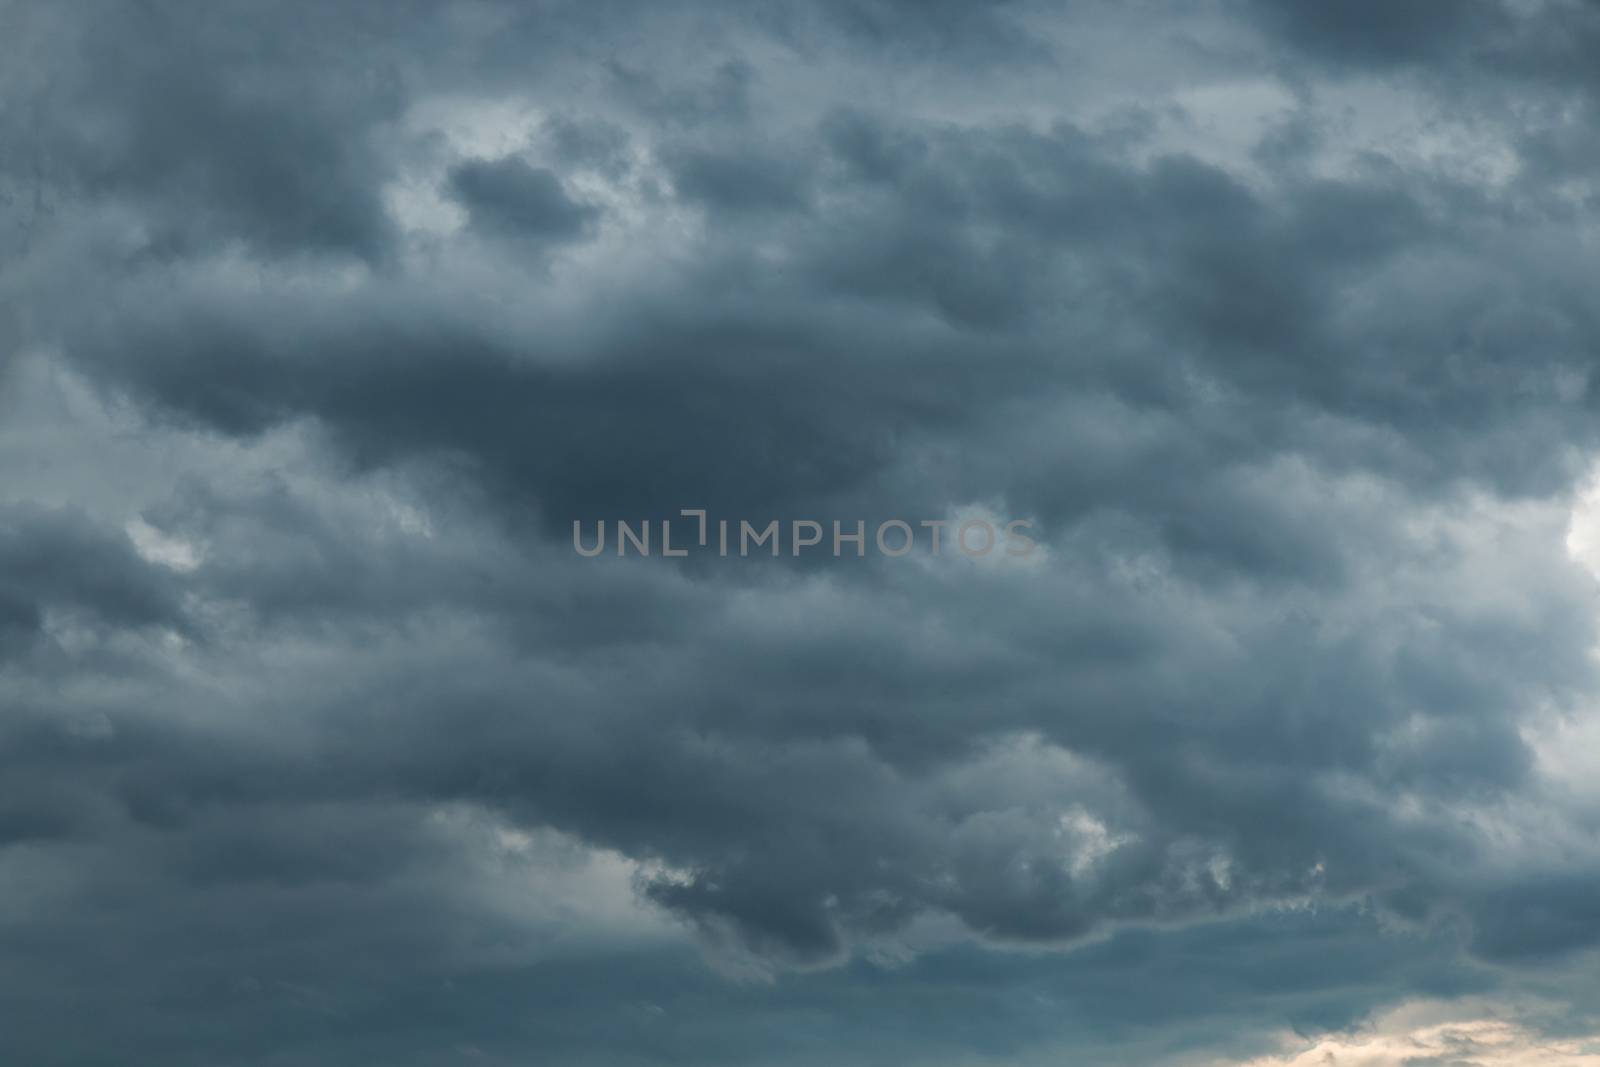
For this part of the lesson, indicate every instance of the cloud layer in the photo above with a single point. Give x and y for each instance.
(322, 325)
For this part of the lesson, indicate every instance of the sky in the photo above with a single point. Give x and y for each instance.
(332, 332)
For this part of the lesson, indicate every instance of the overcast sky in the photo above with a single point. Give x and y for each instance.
(322, 323)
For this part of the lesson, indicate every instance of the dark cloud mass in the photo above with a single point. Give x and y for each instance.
(323, 323)
(508, 196)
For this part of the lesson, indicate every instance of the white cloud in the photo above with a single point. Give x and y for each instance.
(159, 548)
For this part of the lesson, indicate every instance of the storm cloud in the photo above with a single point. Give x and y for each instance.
(323, 324)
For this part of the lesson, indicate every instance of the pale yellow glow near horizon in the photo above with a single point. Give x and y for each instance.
(1407, 1038)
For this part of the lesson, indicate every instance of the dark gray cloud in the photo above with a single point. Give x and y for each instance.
(321, 745)
(1372, 33)
(184, 117)
(56, 562)
(509, 197)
